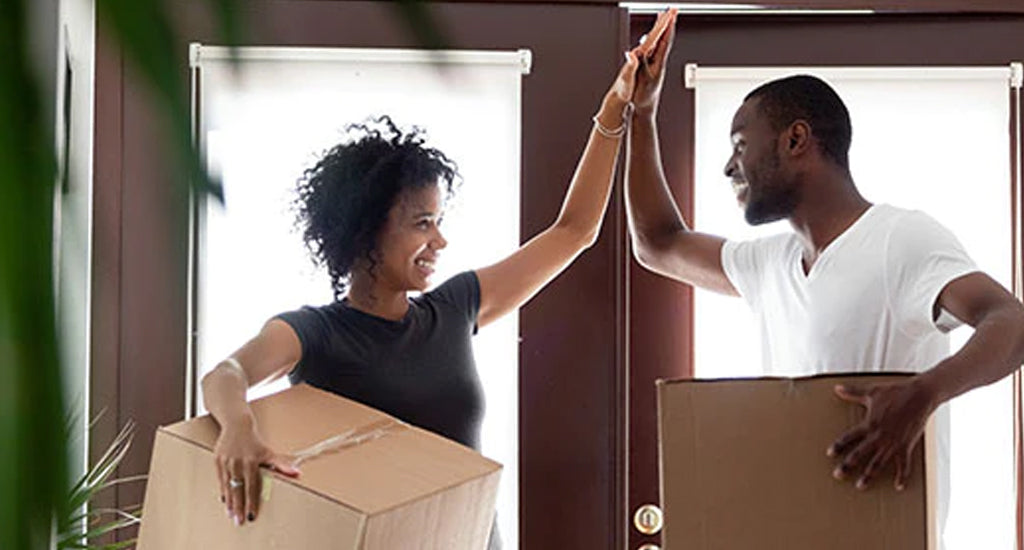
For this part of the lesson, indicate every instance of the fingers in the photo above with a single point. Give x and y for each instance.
(853, 394)
(222, 481)
(855, 458)
(252, 489)
(904, 466)
(649, 41)
(629, 68)
(877, 463)
(283, 464)
(236, 490)
(846, 441)
(664, 43)
(627, 76)
(627, 73)
(241, 484)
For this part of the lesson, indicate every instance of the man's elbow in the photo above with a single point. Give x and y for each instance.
(647, 253)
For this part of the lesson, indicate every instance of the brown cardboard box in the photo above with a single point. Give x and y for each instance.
(743, 467)
(401, 488)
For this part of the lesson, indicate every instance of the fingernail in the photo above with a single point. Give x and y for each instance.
(251, 516)
(838, 473)
(900, 486)
(238, 521)
(830, 452)
(228, 511)
(861, 484)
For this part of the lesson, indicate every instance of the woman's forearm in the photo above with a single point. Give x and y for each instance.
(587, 198)
(224, 395)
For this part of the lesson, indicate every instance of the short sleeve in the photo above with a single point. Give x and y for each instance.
(311, 327)
(461, 292)
(922, 257)
(744, 263)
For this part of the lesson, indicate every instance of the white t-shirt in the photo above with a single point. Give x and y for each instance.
(865, 306)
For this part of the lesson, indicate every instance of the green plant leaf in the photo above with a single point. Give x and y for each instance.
(420, 22)
(33, 454)
(144, 28)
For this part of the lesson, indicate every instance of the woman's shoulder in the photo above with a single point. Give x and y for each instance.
(460, 290)
(324, 313)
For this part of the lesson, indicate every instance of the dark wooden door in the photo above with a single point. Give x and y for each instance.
(660, 311)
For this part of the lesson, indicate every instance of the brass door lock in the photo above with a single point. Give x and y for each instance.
(648, 520)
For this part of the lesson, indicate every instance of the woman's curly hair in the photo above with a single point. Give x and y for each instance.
(344, 199)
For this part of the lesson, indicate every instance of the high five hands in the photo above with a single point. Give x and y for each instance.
(638, 84)
(653, 54)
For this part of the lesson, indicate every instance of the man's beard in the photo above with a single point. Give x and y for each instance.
(770, 199)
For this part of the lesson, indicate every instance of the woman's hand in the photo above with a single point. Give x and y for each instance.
(653, 56)
(613, 113)
(239, 453)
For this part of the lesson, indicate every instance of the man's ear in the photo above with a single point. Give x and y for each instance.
(798, 138)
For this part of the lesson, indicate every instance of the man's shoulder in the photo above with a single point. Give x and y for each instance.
(904, 222)
(774, 243)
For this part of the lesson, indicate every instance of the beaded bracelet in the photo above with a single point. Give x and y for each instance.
(614, 133)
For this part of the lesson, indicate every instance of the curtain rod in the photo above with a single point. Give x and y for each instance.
(644, 8)
(1012, 73)
(199, 53)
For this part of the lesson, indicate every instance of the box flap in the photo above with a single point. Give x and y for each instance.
(404, 464)
(744, 466)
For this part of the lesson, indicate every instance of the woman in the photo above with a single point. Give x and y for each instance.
(371, 210)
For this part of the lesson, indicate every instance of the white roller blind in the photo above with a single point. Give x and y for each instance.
(934, 139)
(261, 127)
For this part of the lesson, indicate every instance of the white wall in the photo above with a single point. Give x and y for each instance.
(75, 47)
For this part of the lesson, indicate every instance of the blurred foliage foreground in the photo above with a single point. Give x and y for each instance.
(36, 498)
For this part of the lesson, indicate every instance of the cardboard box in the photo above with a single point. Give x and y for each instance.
(397, 487)
(743, 467)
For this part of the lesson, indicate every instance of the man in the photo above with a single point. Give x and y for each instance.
(855, 287)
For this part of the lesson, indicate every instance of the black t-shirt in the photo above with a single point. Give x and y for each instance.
(419, 369)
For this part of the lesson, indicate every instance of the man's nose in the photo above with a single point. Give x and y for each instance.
(730, 168)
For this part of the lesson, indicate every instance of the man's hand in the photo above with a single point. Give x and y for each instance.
(653, 54)
(893, 423)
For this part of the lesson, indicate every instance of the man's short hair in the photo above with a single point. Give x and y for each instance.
(810, 99)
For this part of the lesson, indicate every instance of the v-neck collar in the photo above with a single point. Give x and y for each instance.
(817, 266)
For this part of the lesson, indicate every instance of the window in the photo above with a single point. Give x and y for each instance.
(259, 129)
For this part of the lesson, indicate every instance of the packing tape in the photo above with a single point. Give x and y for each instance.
(350, 438)
(333, 444)
(265, 491)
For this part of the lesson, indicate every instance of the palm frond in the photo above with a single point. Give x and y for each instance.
(97, 479)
